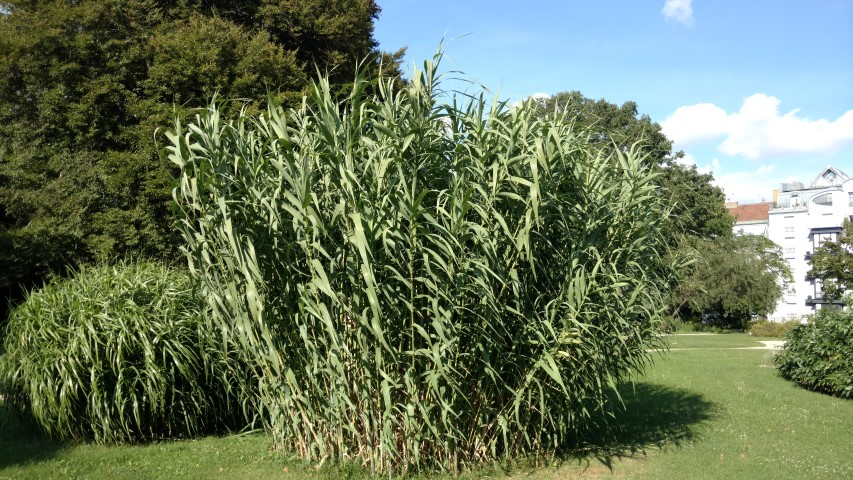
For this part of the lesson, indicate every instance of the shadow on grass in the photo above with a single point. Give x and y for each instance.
(21, 441)
(653, 417)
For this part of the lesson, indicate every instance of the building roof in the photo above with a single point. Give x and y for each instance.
(830, 176)
(751, 212)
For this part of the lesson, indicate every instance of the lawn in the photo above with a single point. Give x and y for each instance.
(707, 409)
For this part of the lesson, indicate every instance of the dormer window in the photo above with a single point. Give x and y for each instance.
(829, 176)
(825, 200)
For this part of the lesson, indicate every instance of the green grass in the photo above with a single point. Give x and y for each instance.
(762, 426)
(724, 340)
(233, 457)
(704, 412)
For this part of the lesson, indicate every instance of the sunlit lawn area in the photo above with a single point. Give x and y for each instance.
(711, 410)
(724, 340)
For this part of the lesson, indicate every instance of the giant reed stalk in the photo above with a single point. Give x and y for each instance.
(421, 285)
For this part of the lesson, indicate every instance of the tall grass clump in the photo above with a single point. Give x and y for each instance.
(122, 353)
(421, 285)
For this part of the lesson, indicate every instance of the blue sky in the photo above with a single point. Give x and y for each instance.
(755, 91)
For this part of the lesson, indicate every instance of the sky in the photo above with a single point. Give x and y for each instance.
(757, 92)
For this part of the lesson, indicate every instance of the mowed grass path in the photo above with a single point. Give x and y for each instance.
(711, 410)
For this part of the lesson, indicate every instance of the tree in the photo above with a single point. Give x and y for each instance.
(832, 264)
(607, 124)
(85, 85)
(732, 279)
(698, 206)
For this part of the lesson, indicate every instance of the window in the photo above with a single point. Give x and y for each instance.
(789, 250)
(789, 229)
(825, 200)
(822, 238)
(851, 199)
(791, 295)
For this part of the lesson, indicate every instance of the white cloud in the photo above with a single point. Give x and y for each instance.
(539, 96)
(713, 167)
(679, 10)
(695, 123)
(758, 130)
(748, 186)
(686, 160)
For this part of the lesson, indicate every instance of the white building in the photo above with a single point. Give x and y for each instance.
(800, 219)
(751, 218)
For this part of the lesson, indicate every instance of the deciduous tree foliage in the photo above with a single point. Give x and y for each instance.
(84, 86)
(698, 206)
(607, 124)
(832, 263)
(732, 278)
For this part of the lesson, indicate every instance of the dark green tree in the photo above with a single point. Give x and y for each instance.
(609, 125)
(732, 279)
(832, 264)
(698, 207)
(85, 85)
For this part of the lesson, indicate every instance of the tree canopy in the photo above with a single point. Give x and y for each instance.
(732, 279)
(607, 124)
(85, 85)
(832, 264)
(698, 206)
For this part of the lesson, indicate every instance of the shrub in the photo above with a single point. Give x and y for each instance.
(764, 328)
(674, 324)
(421, 285)
(819, 355)
(120, 353)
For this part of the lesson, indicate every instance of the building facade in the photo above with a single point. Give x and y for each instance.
(800, 219)
(750, 219)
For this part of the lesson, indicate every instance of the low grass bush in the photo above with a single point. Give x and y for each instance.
(418, 284)
(819, 355)
(765, 328)
(121, 353)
